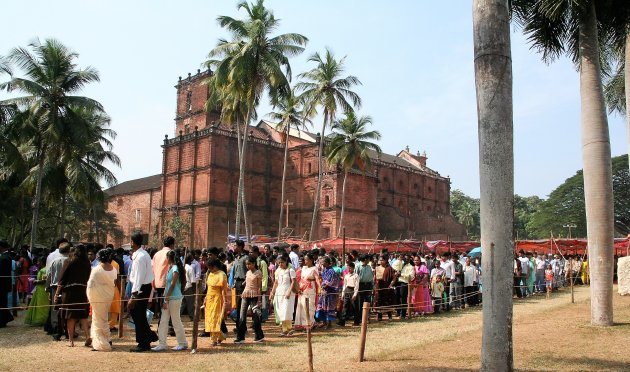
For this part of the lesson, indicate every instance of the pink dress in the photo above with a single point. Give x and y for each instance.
(421, 295)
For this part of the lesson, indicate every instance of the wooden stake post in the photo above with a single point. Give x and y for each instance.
(364, 322)
(309, 344)
(122, 307)
(195, 330)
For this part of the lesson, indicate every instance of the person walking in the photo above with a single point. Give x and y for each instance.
(172, 303)
(283, 295)
(71, 288)
(141, 276)
(217, 302)
(100, 293)
(251, 299)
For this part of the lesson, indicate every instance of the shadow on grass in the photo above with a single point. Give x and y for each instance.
(591, 364)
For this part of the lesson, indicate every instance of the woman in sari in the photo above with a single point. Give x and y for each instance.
(309, 278)
(217, 301)
(114, 309)
(22, 287)
(384, 293)
(283, 295)
(100, 292)
(71, 287)
(421, 298)
(37, 312)
(327, 302)
(32, 277)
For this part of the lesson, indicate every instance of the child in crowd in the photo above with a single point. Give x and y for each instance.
(437, 289)
(549, 280)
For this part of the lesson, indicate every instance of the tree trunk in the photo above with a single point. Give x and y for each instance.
(237, 225)
(98, 238)
(598, 195)
(62, 219)
(284, 177)
(493, 81)
(37, 197)
(241, 177)
(627, 85)
(320, 156)
(343, 200)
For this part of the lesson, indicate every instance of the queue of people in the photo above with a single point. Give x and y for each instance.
(301, 288)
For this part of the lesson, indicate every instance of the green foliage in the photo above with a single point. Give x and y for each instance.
(179, 228)
(565, 205)
(466, 210)
(350, 142)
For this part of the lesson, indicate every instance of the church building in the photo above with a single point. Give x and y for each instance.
(398, 197)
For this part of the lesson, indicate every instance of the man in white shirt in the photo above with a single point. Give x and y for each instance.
(447, 265)
(293, 256)
(524, 273)
(54, 254)
(141, 277)
(350, 294)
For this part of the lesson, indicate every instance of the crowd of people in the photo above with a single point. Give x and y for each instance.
(301, 288)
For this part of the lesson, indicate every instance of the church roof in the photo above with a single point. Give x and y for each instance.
(134, 186)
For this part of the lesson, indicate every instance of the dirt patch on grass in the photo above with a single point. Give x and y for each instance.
(548, 335)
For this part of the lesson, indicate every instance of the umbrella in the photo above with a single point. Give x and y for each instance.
(475, 252)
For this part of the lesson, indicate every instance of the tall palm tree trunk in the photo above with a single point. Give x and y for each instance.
(320, 158)
(96, 227)
(37, 197)
(343, 201)
(241, 177)
(284, 177)
(627, 85)
(237, 225)
(598, 196)
(493, 81)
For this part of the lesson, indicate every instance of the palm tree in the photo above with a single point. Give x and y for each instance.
(82, 158)
(290, 114)
(6, 110)
(51, 78)
(253, 62)
(466, 215)
(493, 82)
(557, 27)
(349, 145)
(324, 86)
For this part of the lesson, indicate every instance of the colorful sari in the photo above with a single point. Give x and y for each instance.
(421, 297)
(215, 309)
(327, 303)
(37, 312)
(308, 287)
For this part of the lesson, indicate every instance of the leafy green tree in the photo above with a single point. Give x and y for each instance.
(466, 210)
(52, 78)
(350, 145)
(565, 205)
(324, 87)
(251, 63)
(524, 209)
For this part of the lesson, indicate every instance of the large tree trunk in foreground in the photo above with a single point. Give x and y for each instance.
(320, 165)
(493, 80)
(598, 195)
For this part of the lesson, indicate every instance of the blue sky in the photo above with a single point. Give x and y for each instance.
(414, 58)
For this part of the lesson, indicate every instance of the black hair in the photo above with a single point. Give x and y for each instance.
(105, 255)
(59, 241)
(255, 249)
(214, 263)
(4, 244)
(172, 256)
(350, 264)
(137, 238)
(294, 247)
(189, 259)
(169, 241)
(251, 259)
(239, 243)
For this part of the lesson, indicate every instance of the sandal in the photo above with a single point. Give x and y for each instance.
(88, 342)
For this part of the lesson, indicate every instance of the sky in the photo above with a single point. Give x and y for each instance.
(414, 59)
